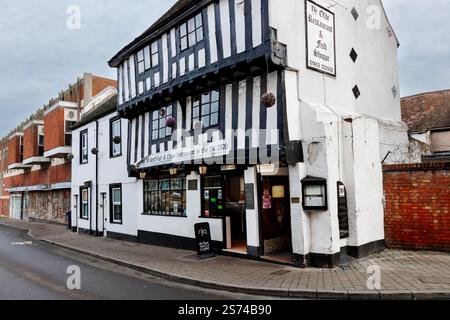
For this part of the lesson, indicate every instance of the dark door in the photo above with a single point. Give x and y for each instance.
(276, 226)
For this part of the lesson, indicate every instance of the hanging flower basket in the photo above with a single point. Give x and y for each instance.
(117, 140)
(171, 122)
(268, 100)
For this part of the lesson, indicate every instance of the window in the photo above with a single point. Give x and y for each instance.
(191, 32)
(20, 149)
(68, 132)
(84, 147)
(115, 138)
(116, 203)
(84, 213)
(159, 128)
(165, 197)
(148, 57)
(40, 141)
(205, 110)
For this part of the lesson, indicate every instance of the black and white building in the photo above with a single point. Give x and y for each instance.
(265, 118)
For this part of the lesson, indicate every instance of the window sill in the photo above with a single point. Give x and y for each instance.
(164, 215)
(214, 218)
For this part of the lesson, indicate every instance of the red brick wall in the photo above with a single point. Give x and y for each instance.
(417, 206)
(30, 148)
(54, 129)
(55, 174)
(13, 150)
(99, 83)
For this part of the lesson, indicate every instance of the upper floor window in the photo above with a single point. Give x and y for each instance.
(20, 149)
(205, 110)
(148, 57)
(84, 147)
(159, 128)
(115, 137)
(67, 132)
(40, 141)
(191, 32)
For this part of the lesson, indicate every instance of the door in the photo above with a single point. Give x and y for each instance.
(276, 217)
(16, 206)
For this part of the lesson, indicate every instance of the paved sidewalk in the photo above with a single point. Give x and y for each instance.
(404, 274)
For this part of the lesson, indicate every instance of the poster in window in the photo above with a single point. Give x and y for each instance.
(278, 192)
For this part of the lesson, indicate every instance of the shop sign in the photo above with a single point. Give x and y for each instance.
(187, 154)
(250, 196)
(320, 39)
(278, 192)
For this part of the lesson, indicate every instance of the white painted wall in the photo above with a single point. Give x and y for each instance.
(181, 226)
(111, 171)
(317, 106)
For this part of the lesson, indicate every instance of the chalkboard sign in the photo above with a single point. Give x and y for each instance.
(203, 240)
(250, 196)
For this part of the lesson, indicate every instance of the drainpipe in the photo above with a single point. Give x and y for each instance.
(96, 179)
(22, 195)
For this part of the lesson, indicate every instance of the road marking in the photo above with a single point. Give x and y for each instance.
(24, 243)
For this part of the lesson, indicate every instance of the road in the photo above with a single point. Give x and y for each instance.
(31, 270)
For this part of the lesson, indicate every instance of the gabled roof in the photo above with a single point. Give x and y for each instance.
(427, 111)
(178, 7)
(107, 107)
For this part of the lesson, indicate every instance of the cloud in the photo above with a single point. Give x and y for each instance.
(40, 56)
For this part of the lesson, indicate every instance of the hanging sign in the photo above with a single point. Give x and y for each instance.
(320, 39)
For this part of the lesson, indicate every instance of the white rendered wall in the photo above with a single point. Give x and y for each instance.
(181, 226)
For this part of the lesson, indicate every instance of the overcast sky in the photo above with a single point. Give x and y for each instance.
(40, 56)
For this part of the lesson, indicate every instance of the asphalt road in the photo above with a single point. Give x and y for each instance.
(31, 270)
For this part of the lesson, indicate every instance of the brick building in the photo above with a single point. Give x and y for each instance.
(35, 156)
(428, 119)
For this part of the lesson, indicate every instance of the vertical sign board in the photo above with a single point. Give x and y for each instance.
(320, 39)
(250, 196)
(203, 240)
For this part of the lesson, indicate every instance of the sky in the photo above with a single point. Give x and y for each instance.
(40, 56)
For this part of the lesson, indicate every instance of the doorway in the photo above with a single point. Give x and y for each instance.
(16, 206)
(235, 212)
(224, 197)
(276, 219)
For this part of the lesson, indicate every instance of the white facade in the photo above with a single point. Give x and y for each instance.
(111, 171)
(348, 120)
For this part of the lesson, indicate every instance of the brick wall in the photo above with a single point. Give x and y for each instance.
(99, 83)
(54, 129)
(50, 175)
(418, 206)
(30, 147)
(13, 150)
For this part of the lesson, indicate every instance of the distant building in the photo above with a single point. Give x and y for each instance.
(428, 119)
(35, 179)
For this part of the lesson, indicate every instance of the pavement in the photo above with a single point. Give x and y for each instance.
(405, 275)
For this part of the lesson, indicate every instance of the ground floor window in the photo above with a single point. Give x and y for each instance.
(165, 197)
(84, 212)
(115, 192)
(213, 199)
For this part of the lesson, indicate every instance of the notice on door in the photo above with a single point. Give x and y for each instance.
(320, 39)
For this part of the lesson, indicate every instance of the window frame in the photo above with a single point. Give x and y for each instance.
(112, 187)
(158, 193)
(148, 56)
(209, 114)
(82, 160)
(159, 119)
(185, 35)
(112, 121)
(40, 146)
(82, 202)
